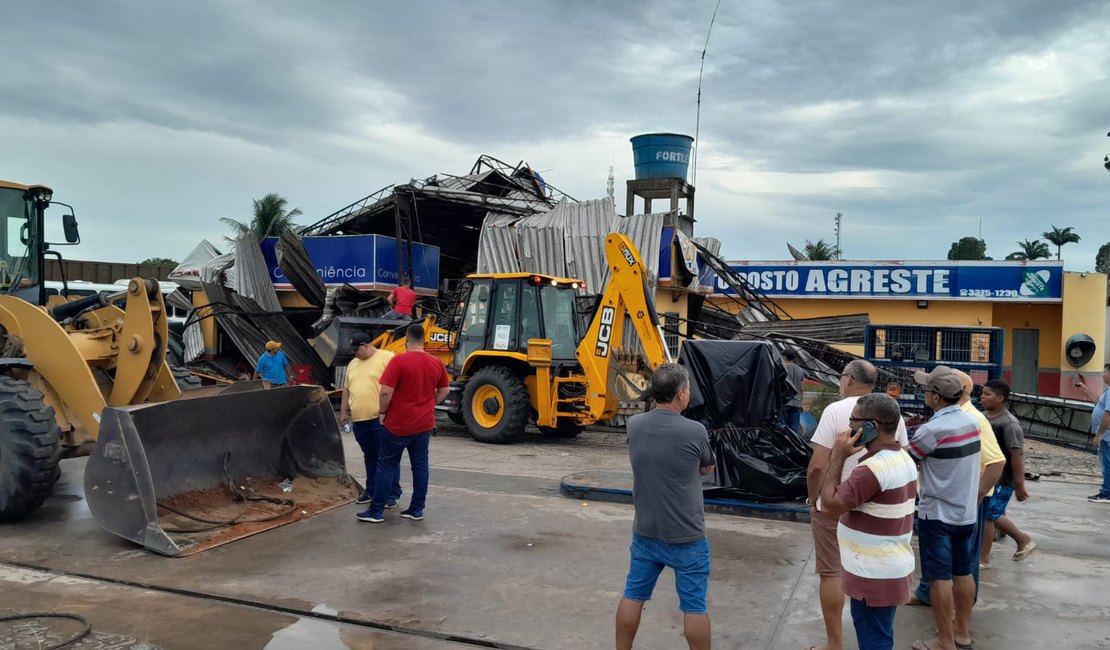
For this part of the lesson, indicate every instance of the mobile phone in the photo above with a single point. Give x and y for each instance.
(868, 433)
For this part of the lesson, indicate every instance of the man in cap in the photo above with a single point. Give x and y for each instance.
(948, 448)
(273, 366)
(361, 405)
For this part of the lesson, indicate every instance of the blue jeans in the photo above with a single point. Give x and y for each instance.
(390, 448)
(874, 626)
(1104, 456)
(689, 561)
(791, 418)
(922, 591)
(367, 433)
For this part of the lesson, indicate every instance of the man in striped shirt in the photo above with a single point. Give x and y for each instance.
(877, 502)
(948, 449)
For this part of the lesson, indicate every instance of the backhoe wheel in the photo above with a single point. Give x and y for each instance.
(564, 428)
(457, 418)
(496, 405)
(185, 379)
(30, 447)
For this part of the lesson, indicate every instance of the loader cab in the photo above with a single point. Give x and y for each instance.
(503, 311)
(23, 247)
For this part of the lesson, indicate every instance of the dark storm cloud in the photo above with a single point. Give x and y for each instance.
(896, 113)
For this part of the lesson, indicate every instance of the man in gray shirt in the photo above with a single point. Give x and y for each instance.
(669, 456)
(791, 415)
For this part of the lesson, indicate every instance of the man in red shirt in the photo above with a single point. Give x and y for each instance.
(401, 300)
(412, 384)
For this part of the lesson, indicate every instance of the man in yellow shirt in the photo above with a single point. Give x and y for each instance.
(360, 405)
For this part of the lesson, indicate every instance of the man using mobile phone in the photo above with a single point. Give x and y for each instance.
(875, 505)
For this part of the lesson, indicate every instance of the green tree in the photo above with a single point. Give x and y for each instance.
(820, 250)
(1061, 236)
(1102, 259)
(968, 248)
(270, 218)
(159, 261)
(1031, 250)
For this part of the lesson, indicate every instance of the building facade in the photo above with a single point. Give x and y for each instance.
(1037, 303)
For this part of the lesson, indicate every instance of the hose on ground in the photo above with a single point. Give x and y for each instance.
(65, 615)
(239, 495)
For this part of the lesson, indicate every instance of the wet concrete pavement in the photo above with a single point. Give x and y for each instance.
(503, 560)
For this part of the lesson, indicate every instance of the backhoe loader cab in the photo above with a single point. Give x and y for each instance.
(517, 353)
(503, 312)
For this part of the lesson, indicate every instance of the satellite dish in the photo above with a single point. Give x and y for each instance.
(797, 254)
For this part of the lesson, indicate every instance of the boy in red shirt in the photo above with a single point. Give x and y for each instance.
(412, 384)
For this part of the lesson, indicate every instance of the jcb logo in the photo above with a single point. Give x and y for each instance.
(628, 255)
(439, 337)
(605, 332)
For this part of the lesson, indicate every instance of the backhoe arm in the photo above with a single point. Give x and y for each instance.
(626, 293)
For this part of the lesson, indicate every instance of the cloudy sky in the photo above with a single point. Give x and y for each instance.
(917, 120)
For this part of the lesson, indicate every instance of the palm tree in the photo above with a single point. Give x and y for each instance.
(820, 250)
(270, 218)
(1031, 250)
(1061, 236)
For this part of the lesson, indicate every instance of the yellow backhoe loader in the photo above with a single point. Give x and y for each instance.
(176, 472)
(517, 353)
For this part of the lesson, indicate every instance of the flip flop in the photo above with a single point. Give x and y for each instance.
(1026, 551)
(970, 645)
(921, 645)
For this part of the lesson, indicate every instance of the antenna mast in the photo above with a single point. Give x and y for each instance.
(836, 228)
(697, 123)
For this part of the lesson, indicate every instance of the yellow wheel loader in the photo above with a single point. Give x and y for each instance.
(176, 472)
(517, 353)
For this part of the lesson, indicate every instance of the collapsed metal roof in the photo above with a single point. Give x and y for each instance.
(447, 209)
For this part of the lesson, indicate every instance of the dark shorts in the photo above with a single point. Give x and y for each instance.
(691, 571)
(946, 550)
(996, 503)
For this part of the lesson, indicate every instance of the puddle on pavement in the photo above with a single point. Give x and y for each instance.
(307, 633)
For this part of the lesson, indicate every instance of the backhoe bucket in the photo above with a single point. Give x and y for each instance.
(184, 476)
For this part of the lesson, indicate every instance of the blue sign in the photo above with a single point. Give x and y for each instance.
(363, 261)
(996, 281)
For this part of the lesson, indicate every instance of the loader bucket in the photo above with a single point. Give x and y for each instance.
(184, 476)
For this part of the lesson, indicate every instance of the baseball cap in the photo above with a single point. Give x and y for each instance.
(360, 338)
(273, 345)
(942, 380)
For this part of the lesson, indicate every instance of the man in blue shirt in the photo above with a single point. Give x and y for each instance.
(273, 366)
(1100, 421)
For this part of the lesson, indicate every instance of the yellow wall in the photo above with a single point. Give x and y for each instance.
(292, 299)
(1084, 313)
(1044, 317)
(895, 312)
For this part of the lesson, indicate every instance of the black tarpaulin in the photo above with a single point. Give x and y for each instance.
(737, 389)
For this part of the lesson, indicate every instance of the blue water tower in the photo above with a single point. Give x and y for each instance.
(661, 155)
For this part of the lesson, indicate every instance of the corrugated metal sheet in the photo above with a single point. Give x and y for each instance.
(497, 244)
(193, 340)
(252, 277)
(586, 225)
(712, 244)
(645, 231)
(540, 242)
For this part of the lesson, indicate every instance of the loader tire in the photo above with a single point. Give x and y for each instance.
(30, 448)
(496, 405)
(563, 428)
(185, 379)
(456, 417)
